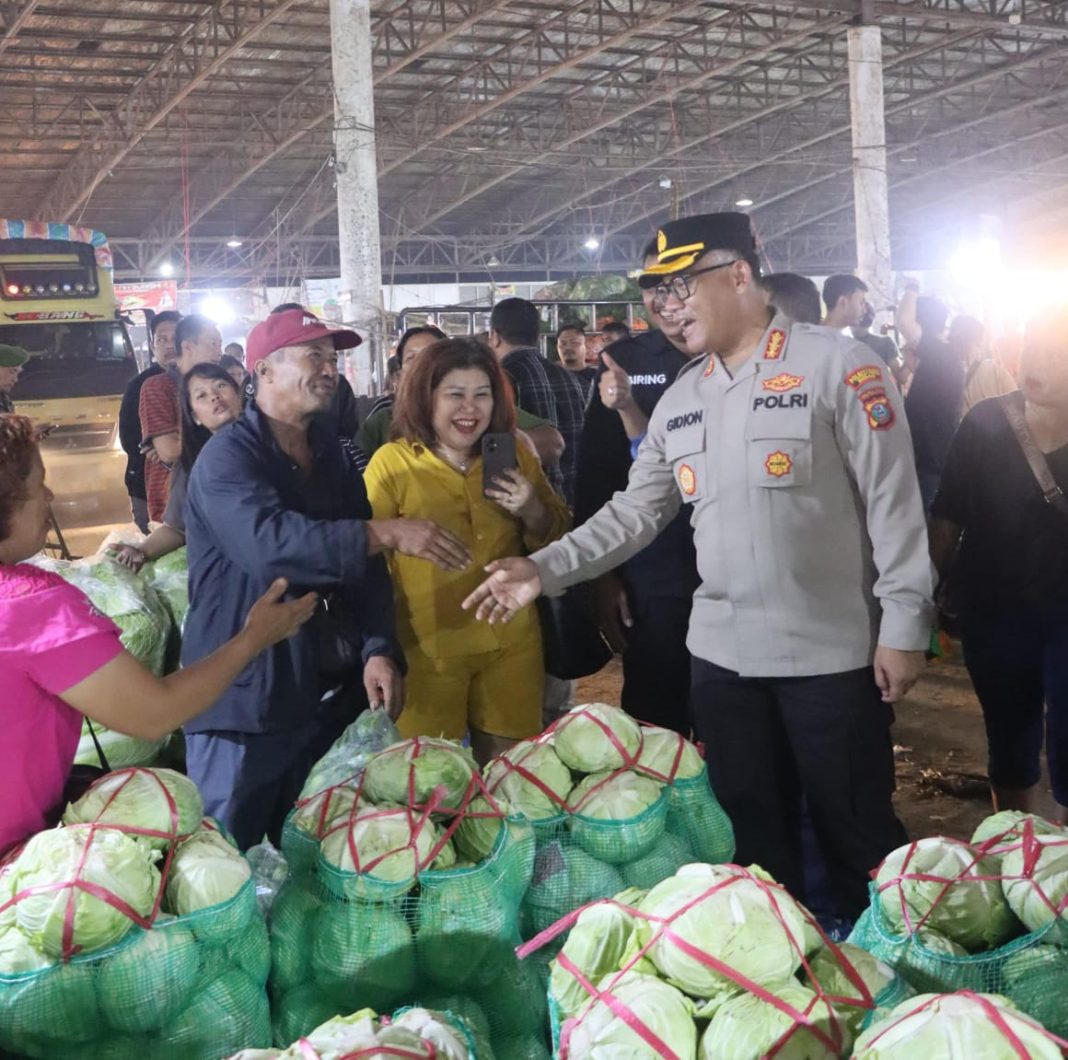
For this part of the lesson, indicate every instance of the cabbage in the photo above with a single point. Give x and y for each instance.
(362, 954)
(828, 976)
(169, 576)
(357, 1035)
(536, 801)
(470, 1012)
(148, 982)
(668, 756)
(477, 833)
(1036, 981)
(205, 871)
(120, 865)
(17, 955)
(391, 846)
(729, 916)
(133, 605)
(449, 1042)
(292, 917)
(1036, 880)
(745, 1027)
(120, 750)
(1006, 828)
(955, 1027)
(944, 884)
(595, 946)
(226, 1014)
(446, 856)
(614, 796)
(599, 1032)
(408, 773)
(321, 812)
(666, 855)
(140, 800)
(581, 738)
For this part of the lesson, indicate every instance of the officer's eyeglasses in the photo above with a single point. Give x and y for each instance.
(679, 286)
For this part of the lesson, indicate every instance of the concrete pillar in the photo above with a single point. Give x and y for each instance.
(356, 170)
(869, 163)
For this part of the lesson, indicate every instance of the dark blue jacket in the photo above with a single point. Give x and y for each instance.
(251, 517)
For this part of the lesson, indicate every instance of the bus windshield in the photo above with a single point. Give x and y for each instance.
(72, 360)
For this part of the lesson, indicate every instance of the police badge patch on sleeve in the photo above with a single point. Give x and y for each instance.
(880, 411)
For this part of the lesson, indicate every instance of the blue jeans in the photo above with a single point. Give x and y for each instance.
(1018, 661)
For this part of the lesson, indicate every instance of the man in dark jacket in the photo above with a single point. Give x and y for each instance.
(643, 608)
(271, 496)
(164, 353)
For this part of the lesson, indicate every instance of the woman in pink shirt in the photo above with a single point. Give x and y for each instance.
(61, 659)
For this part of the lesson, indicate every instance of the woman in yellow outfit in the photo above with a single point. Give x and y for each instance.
(463, 675)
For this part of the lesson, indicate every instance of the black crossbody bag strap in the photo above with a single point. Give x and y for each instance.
(1036, 459)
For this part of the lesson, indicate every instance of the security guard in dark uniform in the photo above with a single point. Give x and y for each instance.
(788, 444)
(643, 607)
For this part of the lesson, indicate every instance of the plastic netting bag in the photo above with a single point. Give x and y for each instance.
(411, 1032)
(406, 879)
(127, 599)
(613, 804)
(270, 870)
(714, 962)
(960, 1026)
(111, 941)
(988, 918)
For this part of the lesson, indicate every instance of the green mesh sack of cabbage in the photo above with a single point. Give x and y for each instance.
(128, 600)
(414, 889)
(413, 1033)
(132, 930)
(964, 1025)
(717, 962)
(986, 916)
(613, 804)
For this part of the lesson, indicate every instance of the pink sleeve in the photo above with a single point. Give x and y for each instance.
(65, 639)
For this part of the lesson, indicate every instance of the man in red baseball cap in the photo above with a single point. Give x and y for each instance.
(275, 496)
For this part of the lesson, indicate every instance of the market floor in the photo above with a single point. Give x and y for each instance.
(939, 744)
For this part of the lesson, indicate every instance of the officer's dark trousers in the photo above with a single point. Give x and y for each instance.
(768, 740)
(656, 664)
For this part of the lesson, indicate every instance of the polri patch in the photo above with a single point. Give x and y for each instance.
(775, 344)
(687, 480)
(859, 377)
(782, 382)
(778, 464)
(880, 411)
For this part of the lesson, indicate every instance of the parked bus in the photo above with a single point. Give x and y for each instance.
(58, 303)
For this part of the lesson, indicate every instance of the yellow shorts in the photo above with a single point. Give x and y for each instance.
(498, 693)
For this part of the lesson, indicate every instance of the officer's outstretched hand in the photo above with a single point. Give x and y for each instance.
(897, 671)
(512, 585)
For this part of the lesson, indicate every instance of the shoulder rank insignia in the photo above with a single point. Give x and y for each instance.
(778, 464)
(776, 342)
(880, 411)
(860, 377)
(782, 382)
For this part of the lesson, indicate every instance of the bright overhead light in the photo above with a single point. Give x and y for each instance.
(493, 261)
(744, 202)
(166, 269)
(234, 243)
(592, 243)
(217, 310)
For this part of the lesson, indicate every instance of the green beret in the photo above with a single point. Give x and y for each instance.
(12, 356)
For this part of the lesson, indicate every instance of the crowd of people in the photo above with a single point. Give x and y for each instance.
(743, 487)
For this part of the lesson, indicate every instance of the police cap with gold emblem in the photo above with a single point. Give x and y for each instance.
(680, 243)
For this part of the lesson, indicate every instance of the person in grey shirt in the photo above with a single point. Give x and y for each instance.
(789, 443)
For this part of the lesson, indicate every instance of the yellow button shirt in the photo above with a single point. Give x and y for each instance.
(406, 480)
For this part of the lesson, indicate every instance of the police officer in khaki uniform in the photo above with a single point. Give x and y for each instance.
(790, 446)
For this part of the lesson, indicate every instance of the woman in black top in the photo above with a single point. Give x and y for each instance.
(209, 400)
(1010, 576)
